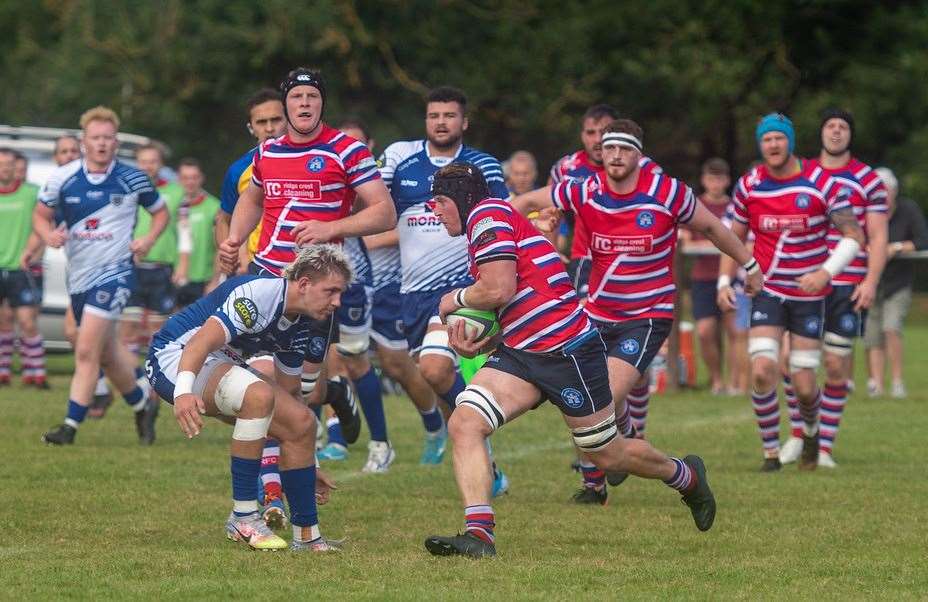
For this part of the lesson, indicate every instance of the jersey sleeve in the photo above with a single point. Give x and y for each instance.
(50, 192)
(739, 210)
(555, 175)
(876, 193)
(248, 308)
(491, 235)
(837, 197)
(149, 197)
(289, 362)
(256, 167)
(360, 166)
(682, 202)
(567, 195)
(228, 196)
(493, 174)
(387, 163)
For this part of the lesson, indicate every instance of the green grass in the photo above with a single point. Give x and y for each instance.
(107, 519)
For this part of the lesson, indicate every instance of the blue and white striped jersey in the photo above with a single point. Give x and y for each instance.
(360, 262)
(251, 310)
(430, 258)
(99, 211)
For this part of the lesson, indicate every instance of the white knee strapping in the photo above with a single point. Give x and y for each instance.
(804, 359)
(594, 438)
(837, 344)
(251, 429)
(230, 392)
(764, 347)
(484, 403)
(308, 381)
(435, 342)
(353, 343)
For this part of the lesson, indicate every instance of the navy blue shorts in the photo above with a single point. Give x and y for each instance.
(322, 333)
(387, 318)
(190, 293)
(802, 318)
(355, 308)
(20, 288)
(575, 379)
(840, 317)
(107, 299)
(155, 291)
(704, 294)
(419, 308)
(635, 342)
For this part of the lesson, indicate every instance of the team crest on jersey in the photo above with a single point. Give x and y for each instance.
(848, 323)
(247, 311)
(803, 201)
(629, 346)
(316, 164)
(572, 397)
(317, 345)
(355, 313)
(645, 219)
(399, 326)
(117, 199)
(92, 223)
(102, 297)
(812, 324)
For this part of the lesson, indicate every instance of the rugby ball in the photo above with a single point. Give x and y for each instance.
(479, 323)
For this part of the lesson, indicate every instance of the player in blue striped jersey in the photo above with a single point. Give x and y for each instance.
(97, 198)
(432, 261)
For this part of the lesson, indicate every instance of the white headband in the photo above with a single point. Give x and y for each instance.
(623, 139)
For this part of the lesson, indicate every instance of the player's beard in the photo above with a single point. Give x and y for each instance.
(446, 146)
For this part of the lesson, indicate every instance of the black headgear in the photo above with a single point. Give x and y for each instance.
(302, 77)
(835, 113)
(464, 184)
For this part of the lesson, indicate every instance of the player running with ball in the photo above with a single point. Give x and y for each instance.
(549, 350)
(198, 360)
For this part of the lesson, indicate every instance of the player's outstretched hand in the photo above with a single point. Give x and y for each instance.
(754, 283)
(863, 295)
(324, 486)
(813, 282)
(726, 298)
(463, 344)
(313, 232)
(187, 411)
(228, 255)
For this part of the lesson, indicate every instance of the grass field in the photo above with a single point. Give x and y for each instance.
(107, 519)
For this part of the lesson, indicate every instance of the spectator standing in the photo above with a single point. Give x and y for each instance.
(195, 272)
(520, 171)
(883, 333)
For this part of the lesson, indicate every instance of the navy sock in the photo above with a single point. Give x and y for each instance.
(245, 485)
(300, 488)
(135, 398)
(334, 429)
(452, 394)
(76, 413)
(368, 388)
(139, 373)
(432, 420)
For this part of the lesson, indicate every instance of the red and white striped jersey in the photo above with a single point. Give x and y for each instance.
(632, 241)
(579, 166)
(544, 314)
(306, 181)
(867, 194)
(790, 220)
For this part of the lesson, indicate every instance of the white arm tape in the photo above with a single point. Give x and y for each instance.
(724, 280)
(184, 384)
(751, 267)
(842, 255)
(184, 239)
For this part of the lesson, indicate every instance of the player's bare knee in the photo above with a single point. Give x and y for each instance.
(259, 399)
(438, 371)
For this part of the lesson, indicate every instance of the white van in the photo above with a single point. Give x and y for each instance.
(37, 144)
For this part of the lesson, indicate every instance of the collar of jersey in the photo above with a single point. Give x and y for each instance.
(457, 154)
(105, 174)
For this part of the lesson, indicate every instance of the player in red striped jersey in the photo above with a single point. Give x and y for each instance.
(854, 289)
(548, 350)
(632, 217)
(788, 203)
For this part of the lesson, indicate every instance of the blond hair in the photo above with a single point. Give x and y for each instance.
(99, 113)
(317, 261)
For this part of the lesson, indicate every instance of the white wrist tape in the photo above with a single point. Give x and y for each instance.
(724, 280)
(184, 384)
(751, 267)
(459, 297)
(842, 256)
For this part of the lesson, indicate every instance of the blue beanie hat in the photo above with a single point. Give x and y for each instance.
(776, 122)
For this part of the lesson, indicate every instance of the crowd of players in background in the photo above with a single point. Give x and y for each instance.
(178, 226)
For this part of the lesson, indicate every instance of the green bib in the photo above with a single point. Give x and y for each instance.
(201, 217)
(15, 224)
(165, 248)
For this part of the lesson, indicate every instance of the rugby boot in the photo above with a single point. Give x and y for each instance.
(459, 545)
(333, 451)
(434, 449)
(341, 397)
(790, 451)
(771, 465)
(591, 495)
(317, 545)
(61, 435)
(500, 482)
(808, 459)
(825, 460)
(253, 531)
(274, 514)
(700, 498)
(379, 458)
(145, 419)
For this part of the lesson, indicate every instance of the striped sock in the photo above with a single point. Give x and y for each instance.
(270, 473)
(795, 420)
(834, 398)
(683, 478)
(810, 414)
(767, 411)
(32, 351)
(638, 400)
(624, 421)
(593, 478)
(479, 521)
(6, 354)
